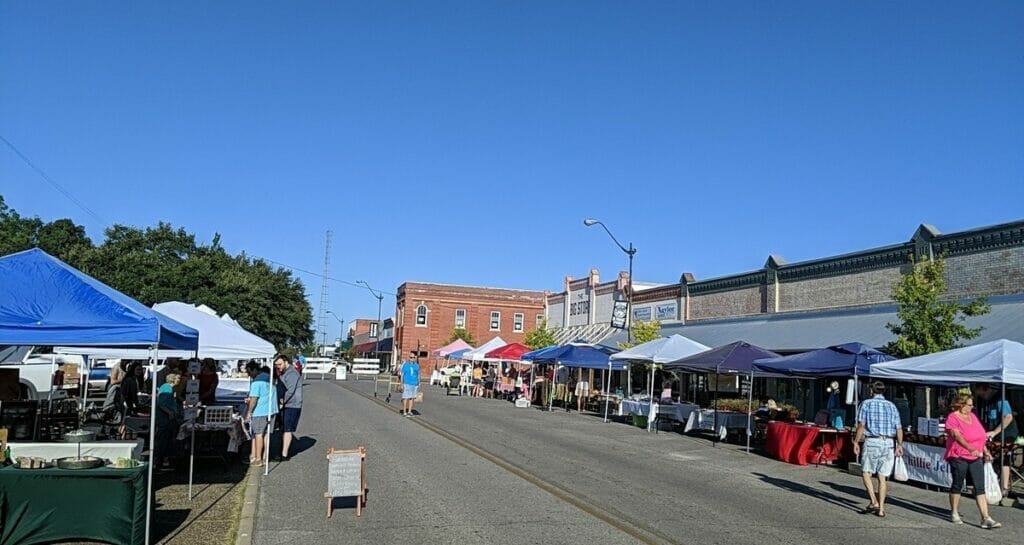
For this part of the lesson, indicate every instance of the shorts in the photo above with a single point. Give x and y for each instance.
(878, 456)
(259, 424)
(477, 381)
(290, 419)
(960, 469)
(489, 385)
(582, 388)
(409, 391)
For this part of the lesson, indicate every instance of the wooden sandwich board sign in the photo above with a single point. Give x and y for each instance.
(346, 477)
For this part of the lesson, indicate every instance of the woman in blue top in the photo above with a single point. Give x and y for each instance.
(168, 414)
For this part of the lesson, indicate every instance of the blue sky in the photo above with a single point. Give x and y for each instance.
(465, 142)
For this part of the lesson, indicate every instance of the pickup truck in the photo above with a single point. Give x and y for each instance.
(35, 371)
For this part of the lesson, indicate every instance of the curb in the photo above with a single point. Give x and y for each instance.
(247, 519)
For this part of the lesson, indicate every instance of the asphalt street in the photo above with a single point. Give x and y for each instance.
(482, 471)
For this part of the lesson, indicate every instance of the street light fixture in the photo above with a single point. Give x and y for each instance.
(631, 251)
(341, 334)
(380, 300)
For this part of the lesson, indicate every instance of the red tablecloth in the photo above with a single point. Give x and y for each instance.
(802, 444)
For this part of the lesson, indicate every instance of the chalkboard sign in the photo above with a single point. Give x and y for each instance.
(346, 476)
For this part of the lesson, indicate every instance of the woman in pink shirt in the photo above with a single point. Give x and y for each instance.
(966, 454)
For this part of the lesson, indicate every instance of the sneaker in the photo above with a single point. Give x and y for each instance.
(990, 524)
(955, 518)
(407, 415)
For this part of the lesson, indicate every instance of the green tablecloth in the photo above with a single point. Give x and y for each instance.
(43, 505)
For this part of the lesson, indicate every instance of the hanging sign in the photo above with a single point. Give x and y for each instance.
(619, 310)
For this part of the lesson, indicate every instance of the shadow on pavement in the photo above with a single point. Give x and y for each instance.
(892, 501)
(839, 501)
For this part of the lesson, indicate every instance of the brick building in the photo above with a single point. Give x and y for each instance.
(427, 314)
(810, 304)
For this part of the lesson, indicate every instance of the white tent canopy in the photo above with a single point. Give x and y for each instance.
(662, 350)
(218, 339)
(999, 362)
(477, 354)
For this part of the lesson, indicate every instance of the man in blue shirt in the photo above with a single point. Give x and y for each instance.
(878, 424)
(410, 371)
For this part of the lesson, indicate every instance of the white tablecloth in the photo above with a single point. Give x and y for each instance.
(110, 450)
(704, 420)
(676, 411)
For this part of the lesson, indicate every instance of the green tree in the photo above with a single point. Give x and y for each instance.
(460, 333)
(643, 332)
(540, 337)
(927, 323)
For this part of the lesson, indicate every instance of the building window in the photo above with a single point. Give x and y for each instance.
(495, 321)
(460, 318)
(373, 330)
(421, 315)
(517, 322)
(540, 320)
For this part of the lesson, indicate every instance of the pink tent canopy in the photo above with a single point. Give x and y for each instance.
(459, 344)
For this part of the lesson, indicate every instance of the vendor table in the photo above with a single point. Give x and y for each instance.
(46, 505)
(802, 444)
(704, 420)
(109, 450)
(676, 411)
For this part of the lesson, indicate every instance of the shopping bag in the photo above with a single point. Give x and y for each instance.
(899, 470)
(993, 492)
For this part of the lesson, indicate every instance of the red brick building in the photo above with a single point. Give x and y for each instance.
(427, 314)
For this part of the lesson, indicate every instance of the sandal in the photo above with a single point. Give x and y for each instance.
(869, 509)
(881, 514)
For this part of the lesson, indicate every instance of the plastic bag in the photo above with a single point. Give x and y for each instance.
(993, 492)
(899, 470)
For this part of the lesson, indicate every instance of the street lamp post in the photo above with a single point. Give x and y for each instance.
(341, 334)
(630, 252)
(380, 326)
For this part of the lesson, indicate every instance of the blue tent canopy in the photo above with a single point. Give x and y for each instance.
(737, 357)
(539, 353)
(46, 302)
(585, 356)
(842, 360)
(457, 354)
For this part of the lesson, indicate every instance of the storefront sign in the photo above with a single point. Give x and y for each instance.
(642, 314)
(925, 464)
(580, 305)
(666, 311)
(619, 310)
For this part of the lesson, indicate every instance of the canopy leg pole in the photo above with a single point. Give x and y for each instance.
(716, 407)
(652, 412)
(270, 420)
(607, 388)
(152, 439)
(750, 408)
(191, 461)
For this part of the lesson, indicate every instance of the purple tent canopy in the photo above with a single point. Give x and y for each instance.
(737, 357)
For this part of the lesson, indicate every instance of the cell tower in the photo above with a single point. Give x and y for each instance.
(321, 319)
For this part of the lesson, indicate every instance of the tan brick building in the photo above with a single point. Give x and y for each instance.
(427, 314)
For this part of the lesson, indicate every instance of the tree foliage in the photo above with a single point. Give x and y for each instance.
(461, 333)
(643, 332)
(164, 263)
(540, 337)
(927, 323)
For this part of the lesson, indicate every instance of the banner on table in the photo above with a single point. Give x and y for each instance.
(925, 464)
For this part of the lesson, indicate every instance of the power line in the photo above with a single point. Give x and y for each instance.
(104, 223)
(53, 182)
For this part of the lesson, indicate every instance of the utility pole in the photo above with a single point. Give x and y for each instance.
(322, 311)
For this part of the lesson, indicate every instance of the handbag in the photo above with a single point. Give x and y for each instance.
(993, 492)
(899, 470)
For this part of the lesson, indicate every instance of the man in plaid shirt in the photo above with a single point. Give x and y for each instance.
(878, 424)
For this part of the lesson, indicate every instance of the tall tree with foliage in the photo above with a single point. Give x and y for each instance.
(461, 333)
(927, 323)
(165, 263)
(540, 337)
